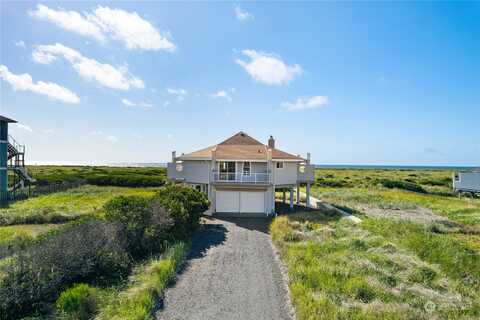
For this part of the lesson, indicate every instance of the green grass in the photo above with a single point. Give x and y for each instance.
(434, 181)
(341, 270)
(64, 206)
(145, 287)
(30, 231)
(118, 176)
(462, 210)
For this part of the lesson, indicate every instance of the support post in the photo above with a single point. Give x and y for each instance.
(284, 196)
(308, 195)
(298, 194)
(291, 199)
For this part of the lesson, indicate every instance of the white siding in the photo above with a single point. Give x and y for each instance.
(196, 171)
(468, 181)
(287, 175)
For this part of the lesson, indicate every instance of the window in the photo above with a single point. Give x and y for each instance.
(246, 168)
(179, 167)
(279, 165)
(457, 176)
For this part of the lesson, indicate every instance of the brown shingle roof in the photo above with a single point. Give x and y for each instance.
(239, 147)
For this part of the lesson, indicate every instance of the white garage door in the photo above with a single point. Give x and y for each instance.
(240, 201)
(227, 201)
(252, 202)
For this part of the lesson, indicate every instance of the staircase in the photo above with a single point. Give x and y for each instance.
(16, 163)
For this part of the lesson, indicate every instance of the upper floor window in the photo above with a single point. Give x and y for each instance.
(457, 176)
(301, 168)
(179, 167)
(279, 165)
(246, 168)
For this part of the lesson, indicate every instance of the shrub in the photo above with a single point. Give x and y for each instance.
(185, 206)
(405, 185)
(146, 286)
(78, 302)
(36, 275)
(143, 222)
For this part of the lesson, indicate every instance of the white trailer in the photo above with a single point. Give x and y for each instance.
(467, 182)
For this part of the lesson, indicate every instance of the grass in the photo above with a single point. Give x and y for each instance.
(145, 287)
(64, 206)
(433, 181)
(23, 231)
(341, 270)
(99, 175)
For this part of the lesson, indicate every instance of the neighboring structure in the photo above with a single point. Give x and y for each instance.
(467, 182)
(12, 157)
(240, 175)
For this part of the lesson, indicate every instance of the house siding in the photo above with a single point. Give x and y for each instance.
(287, 175)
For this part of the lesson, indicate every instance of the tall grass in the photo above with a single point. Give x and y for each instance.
(145, 287)
(339, 270)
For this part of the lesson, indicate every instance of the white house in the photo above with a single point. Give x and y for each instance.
(240, 175)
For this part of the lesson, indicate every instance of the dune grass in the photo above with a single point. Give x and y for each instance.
(145, 287)
(462, 210)
(341, 270)
(64, 206)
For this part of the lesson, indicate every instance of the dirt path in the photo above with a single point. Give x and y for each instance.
(233, 273)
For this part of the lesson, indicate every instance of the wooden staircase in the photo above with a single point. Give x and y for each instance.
(16, 163)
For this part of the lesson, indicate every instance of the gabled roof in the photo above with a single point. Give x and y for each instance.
(5, 119)
(239, 147)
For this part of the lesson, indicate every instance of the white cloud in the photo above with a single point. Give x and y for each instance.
(305, 103)
(169, 136)
(221, 94)
(118, 78)
(24, 127)
(242, 14)
(20, 44)
(48, 132)
(179, 93)
(268, 68)
(96, 133)
(166, 103)
(143, 105)
(104, 22)
(69, 20)
(112, 139)
(24, 82)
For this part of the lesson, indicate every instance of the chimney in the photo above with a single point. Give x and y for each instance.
(271, 142)
(174, 156)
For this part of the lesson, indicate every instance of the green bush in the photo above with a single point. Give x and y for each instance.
(405, 185)
(78, 302)
(185, 206)
(88, 250)
(144, 224)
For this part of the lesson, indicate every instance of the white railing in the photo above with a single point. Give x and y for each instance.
(240, 177)
(19, 147)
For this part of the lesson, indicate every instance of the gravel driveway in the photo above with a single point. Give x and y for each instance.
(233, 273)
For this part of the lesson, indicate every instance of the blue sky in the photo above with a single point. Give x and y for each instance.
(352, 83)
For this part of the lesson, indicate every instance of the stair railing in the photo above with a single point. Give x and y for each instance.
(19, 147)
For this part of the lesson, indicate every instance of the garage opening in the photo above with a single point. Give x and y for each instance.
(229, 201)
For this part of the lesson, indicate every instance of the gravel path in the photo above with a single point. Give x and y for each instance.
(233, 273)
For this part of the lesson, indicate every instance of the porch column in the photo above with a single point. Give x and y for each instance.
(298, 194)
(291, 199)
(308, 195)
(284, 196)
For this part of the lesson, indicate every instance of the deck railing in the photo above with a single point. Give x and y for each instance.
(241, 177)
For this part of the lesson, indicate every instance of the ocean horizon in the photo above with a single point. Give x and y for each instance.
(318, 166)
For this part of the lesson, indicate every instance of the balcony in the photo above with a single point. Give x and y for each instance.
(241, 178)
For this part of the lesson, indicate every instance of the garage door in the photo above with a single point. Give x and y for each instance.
(227, 201)
(252, 202)
(240, 201)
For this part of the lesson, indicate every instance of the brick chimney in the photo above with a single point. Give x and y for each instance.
(271, 142)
